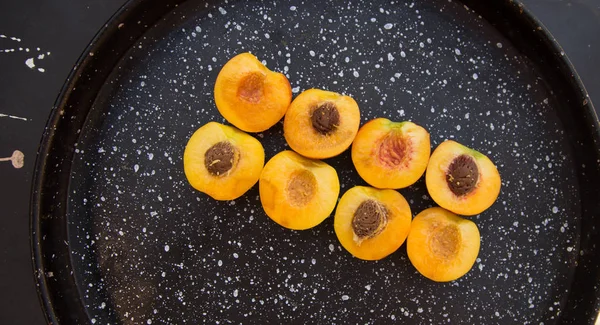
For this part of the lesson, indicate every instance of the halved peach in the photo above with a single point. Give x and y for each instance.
(461, 179)
(249, 95)
(222, 161)
(441, 245)
(296, 192)
(321, 124)
(371, 223)
(390, 154)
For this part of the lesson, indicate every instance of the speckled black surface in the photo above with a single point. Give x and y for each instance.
(147, 248)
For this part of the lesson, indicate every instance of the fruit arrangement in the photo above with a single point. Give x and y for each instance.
(298, 191)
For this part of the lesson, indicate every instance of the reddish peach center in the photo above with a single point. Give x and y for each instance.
(393, 151)
(251, 87)
(444, 242)
(301, 187)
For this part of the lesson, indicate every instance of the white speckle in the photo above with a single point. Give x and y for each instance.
(41, 56)
(368, 287)
(554, 209)
(429, 40)
(235, 255)
(293, 8)
(345, 297)
(480, 266)
(467, 116)
(401, 112)
(103, 305)
(419, 310)
(331, 248)
(457, 51)
(312, 53)
(136, 167)
(29, 62)
(142, 84)
(458, 127)
(475, 76)
(355, 74)
(222, 11)
(390, 57)
(220, 263)
(150, 156)
(198, 29)
(402, 54)
(149, 321)
(235, 292)
(93, 321)
(388, 26)
(313, 261)
(497, 314)
(167, 248)
(421, 45)
(492, 126)
(101, 150)
(267, 36)
(295, 90)
(346, 59)
(499, 45)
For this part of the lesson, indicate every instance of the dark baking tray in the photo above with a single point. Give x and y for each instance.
(119, 237)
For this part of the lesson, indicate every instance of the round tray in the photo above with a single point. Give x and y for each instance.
(120, 237)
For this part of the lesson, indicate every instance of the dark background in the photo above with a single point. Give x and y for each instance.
(64, 28)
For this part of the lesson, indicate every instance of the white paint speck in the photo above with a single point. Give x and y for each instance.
(388, 26)
(222, 11)
(402, 54)
(295, 90)
(355, 74)
(554, 209)
(220, 263)
(136, 167)
(499, 45)
(29, 62)
(345, 297)
(390, 57)
(312, 53)
(235, 292)
(331, 248)
(167, 248)
(457, 51)
(293, 8)
(475, 76)
(150, 156)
